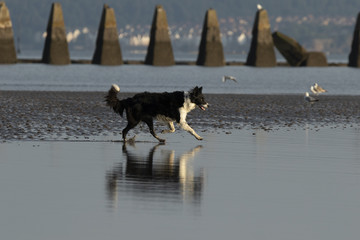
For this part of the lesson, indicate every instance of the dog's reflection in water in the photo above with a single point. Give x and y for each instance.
(157, 174)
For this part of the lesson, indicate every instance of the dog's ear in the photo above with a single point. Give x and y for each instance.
(198, 89)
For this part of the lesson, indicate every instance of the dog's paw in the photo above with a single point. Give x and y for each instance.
(167, 131)
(131, 140)
(199, 138)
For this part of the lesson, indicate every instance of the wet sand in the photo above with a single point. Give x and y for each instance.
(31, 115)
(297, 184)
(272, 161)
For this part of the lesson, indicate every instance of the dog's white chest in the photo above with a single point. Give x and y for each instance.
(188, 105)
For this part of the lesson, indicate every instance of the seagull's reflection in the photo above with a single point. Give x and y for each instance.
(156, 174)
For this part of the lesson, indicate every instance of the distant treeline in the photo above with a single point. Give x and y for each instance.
(33, 14)
(29, 17)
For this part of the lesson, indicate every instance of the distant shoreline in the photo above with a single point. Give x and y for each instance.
(183, 63)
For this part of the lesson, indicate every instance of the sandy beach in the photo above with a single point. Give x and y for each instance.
(31, 115)
(270, 166)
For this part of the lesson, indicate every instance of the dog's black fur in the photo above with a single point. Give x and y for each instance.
(167, 107)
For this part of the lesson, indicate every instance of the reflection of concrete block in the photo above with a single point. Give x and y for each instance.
(7, 46)
(211, 50)
(315, 59)
(354, 56)
(262, 52)
(107, 50)
(295, 54)
(56, 48)
(159, 51)
(292, 51)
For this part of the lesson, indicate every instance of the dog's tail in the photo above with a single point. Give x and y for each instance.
(112, 100)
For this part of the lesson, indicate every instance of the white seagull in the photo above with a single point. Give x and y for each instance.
(259, 7)
(309, 98)
(224, 78)
(312, 89)
(316, 89)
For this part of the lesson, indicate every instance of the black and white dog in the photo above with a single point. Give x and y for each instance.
(166, 107)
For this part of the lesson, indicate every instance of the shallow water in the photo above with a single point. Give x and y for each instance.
(251, 184)
(138, 78)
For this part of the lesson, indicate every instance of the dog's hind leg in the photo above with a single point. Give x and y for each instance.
(130, 125)
(171, 128)
(150, 123)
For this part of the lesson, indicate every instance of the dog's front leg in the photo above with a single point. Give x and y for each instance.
(186, 127)
(171, 128)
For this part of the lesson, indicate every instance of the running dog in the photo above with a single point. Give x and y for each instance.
(166, 107)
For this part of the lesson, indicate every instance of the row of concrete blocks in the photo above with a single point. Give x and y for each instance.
(160, 53)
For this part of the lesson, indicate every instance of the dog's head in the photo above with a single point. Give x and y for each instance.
(197, 97)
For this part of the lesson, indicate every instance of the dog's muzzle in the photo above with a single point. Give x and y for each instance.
(203, 106)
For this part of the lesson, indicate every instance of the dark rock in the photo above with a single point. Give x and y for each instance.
(354, 56)
(262, 53)
(211, 49)
(108, 51)
(159, 51)
(56, 49)
(7, 46)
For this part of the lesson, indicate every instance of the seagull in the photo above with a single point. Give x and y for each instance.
(310, 99)
(312, 89)
(259, 7)
(318, 88)
(224, 78)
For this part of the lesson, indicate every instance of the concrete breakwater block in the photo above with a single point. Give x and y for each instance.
(211, 51)
(354, 56)
(295, 54)
(292, 51)
(56, 49)
(7, 45)
(262, 53)
(107, 51)
(315, 59)
(159, 52)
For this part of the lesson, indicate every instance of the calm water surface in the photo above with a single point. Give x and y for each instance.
(297, 184)
(136, 78)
